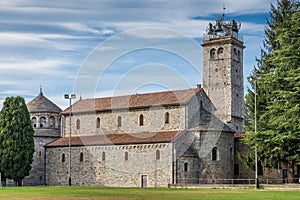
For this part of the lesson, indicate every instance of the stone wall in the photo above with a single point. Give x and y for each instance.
(36, 174)
(113, 170)
(223, 78)
(222, 167)
(154, 120)
(199, 110)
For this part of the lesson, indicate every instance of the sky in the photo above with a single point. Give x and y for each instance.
(98, 48)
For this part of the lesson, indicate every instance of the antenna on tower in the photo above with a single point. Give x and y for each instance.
(224, 8)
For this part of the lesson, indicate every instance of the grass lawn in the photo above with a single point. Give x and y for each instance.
(94, 193)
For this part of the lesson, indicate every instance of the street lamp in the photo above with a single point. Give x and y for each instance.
(70, 97)
(250, 79)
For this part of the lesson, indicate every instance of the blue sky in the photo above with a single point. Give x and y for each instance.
(51, 43)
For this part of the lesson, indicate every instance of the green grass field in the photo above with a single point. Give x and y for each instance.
(94, 193)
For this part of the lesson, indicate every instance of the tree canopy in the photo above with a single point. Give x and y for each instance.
(277, 78)
(16, 139)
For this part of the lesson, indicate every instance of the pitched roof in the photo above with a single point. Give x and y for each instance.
(41, 104)
(177, 97)
(117, 139)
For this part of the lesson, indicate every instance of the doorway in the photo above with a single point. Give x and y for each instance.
(144, 181)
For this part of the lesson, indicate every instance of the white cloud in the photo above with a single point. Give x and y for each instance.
(47, 39)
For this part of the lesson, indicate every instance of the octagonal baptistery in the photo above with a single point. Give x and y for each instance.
(45, 119)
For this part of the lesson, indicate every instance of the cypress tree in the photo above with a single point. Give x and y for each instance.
(16, 140)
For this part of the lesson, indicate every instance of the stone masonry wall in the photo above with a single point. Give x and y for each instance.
(223, 78)
(222, 167)
(154, 120)
(36, 174)
(113, 170)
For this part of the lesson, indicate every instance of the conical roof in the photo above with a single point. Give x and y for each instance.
(42, 104)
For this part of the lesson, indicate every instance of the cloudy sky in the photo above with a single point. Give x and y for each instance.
(113, 47)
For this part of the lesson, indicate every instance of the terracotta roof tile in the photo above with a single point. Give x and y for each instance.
(134, 101)
(109, 139)
(239, 135)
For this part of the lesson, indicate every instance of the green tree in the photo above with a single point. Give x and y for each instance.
(278, 92)
(16, 139)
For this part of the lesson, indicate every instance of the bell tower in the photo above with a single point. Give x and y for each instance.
(223, 71)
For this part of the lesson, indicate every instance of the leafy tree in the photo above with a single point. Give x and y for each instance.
(16, 139)
(278, 92)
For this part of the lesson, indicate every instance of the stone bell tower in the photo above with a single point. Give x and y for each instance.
(223, 71)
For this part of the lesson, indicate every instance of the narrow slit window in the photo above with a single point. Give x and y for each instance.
(119, 121)
(167, 118)
(98, 123)
(77, 124)
(157, 154)
(81, 157)
(141, 120)
(63, 158)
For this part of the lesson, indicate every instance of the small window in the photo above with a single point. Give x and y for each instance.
(34, 121)
(186, 167)
(40, 154)
(167, 118)
(214, 154)
(42, 122)
(77, 124)
(236, 169)
(63, 158)
(81, 157)
(103, 156)
(141, 120)
(126, 156)
(220, 50)
(119, 121)
(212, 54)
(52, 122)
(157, 154)
(98, 122)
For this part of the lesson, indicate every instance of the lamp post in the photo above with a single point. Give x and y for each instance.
(255, 130)
(70, 97)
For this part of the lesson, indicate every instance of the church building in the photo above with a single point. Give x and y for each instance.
(149, 140)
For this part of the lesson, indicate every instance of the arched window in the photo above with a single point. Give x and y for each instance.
(214, 154)
(220, 50)
(98, 122)
(34, 121)
(167, 118)
(63, 158)
(239, 55)
(212, 54)
(81, 157)
(126, 156)
(52, 122)
(119, 121)
(103, 156)
(157, 154)
(77, 124)
(43, 122)
(186, 167)
(141, 120)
